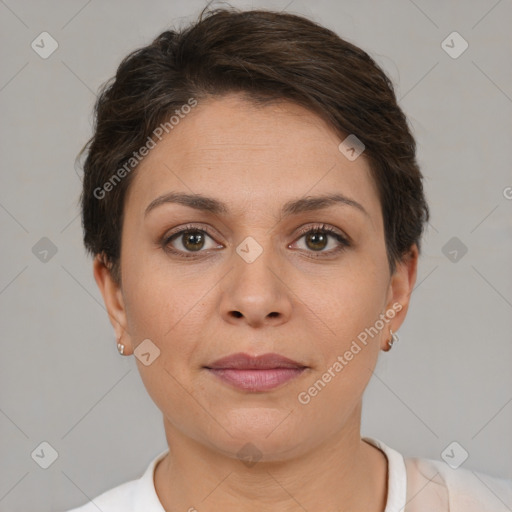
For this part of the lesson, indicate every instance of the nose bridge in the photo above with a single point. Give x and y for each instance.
(254, 263)
(255, 290)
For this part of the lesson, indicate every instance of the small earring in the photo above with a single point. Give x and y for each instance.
(120, 346)
(394, 338)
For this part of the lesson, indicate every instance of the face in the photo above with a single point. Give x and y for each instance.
(252, 276)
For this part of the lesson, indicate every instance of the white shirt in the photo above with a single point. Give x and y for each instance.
(414, 485)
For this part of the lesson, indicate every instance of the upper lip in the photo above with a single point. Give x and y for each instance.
(241, 361)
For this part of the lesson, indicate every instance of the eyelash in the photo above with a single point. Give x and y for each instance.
(323, 228)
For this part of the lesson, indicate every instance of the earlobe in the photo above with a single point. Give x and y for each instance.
(112, 297)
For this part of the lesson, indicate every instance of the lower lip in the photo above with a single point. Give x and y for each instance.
(256, 380)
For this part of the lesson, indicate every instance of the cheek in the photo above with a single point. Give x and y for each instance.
(350, 305)
(348, 300)
(154, 297)
(349, 347)
(163, 313)
(163, 303)
(160, 312)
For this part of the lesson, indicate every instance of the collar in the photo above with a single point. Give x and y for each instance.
(146, 498)
(397, 476)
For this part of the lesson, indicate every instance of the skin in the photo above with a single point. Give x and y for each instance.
(198, 309)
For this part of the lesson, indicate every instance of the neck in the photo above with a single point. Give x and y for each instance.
(342, 473)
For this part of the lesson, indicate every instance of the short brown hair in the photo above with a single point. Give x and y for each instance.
(267, 56)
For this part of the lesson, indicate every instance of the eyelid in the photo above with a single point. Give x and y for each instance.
(302, 230)
(190, 227)
(324, 227)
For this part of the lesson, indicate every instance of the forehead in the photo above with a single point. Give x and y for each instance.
(251, 157)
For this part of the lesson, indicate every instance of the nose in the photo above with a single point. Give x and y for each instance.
(256, 292)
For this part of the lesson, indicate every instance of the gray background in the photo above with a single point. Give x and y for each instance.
(61, 378)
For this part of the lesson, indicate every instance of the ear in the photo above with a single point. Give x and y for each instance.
(401, 286)
(113, 298)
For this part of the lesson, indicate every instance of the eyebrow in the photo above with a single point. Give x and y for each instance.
(216, 207)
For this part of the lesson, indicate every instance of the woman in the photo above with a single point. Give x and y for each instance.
(255, 209)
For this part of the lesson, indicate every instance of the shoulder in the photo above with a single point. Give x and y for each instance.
(423, 485)
(458, 490)
(134, 495)
(116, 499)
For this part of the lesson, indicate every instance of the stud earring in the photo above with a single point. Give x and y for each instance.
(120, 346)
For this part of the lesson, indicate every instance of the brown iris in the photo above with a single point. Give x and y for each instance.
(193, 240)
(316, 241)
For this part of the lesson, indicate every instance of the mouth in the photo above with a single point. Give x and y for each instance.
(260, 373)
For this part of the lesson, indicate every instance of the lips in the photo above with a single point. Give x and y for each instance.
(255, 373)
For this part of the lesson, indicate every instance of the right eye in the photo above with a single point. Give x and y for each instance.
(189, 240)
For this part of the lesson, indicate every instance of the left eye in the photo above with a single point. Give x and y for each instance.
(317, 239)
